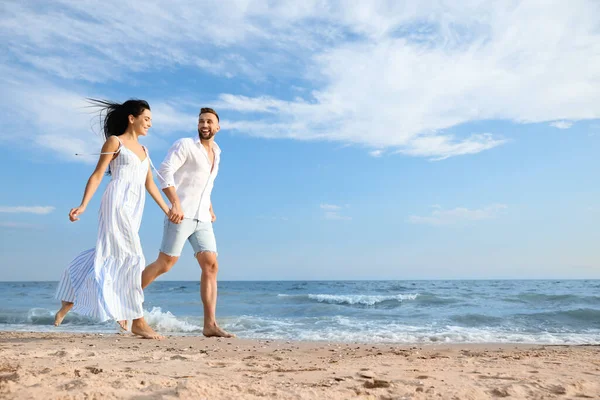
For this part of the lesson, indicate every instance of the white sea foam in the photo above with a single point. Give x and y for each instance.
(352, 299)
(167, 322)
(352, 330)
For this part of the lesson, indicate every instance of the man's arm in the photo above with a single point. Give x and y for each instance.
(173, 161)
(212, 214)
(175, 213)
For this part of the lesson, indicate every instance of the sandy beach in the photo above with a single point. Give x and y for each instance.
(116, 366)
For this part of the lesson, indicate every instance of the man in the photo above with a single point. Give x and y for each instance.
(188, 174)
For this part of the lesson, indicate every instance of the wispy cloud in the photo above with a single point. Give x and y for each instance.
(440, 216)
(438, 147)
(334, 216)
(62, 121)
(416, 74)
(333, 212)
(384, 74)
(561, 124)
(27, 209)
(330, 207)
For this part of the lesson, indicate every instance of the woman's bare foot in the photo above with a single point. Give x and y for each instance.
(62, 313)
(216, 331)
(141, 328)
(123, 325)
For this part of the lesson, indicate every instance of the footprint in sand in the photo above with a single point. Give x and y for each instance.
(94, 370)
(557, 389)
(218, 365)
(74, 384)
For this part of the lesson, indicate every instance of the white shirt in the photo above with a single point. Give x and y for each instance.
(188, 168)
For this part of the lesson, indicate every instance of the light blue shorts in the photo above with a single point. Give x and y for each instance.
(200, 235)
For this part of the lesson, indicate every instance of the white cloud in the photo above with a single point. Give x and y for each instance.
(383, 74)
(401, 87)
(27, 209)
(334, 216)
(376, 153)
(457, 215)
(333, 212)
(60, 119)
(561, 124)
(441, 147)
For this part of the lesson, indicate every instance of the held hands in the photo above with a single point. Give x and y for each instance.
(75, 212)
(175, 214)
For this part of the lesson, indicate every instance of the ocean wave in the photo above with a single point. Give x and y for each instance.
(477, 320)
(167, 322)
(354, 299)
(162, 321)
(351, 330)
(41, 316)
(537, 298)
(430, 299)
(588, 316)
(337, 328)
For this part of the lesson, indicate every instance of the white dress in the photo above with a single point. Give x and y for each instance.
(106, 282)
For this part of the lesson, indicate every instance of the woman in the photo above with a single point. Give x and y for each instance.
(106, 282)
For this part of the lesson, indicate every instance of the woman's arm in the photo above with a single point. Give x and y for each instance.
(110, 146)
(155, 193)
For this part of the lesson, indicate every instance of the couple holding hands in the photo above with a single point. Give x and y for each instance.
(108, 281)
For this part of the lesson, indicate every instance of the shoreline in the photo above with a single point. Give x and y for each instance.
(115, 366)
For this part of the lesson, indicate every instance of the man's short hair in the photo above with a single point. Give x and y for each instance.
(207, 110)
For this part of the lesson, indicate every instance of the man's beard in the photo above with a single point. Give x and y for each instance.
(208, 136)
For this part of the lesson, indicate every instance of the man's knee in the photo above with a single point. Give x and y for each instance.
(165, 262)
(208, 262)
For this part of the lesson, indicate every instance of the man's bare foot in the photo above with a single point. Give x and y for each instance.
(216, 331)
(123, 325)
(62, 313)
(141, 328)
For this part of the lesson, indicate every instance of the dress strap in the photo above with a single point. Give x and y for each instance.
(152, 165)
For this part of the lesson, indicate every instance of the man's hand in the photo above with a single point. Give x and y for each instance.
(213, 217)
(176, 214)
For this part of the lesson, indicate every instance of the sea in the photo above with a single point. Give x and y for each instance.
(402, 312)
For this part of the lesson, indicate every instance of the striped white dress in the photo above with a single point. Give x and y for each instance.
(106, 282)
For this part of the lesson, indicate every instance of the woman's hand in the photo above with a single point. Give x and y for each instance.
(75, 212)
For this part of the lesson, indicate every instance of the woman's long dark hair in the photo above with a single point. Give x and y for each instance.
(115, 117)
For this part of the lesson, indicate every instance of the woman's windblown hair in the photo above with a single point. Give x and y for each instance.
(115, 116)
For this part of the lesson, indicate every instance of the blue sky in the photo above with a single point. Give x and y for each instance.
(371, 140)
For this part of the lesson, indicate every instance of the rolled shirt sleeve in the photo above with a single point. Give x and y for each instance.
(173, 161)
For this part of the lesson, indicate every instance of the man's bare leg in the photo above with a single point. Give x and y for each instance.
(62, 313)
(141, 328)
(162, 264)
(208, 293)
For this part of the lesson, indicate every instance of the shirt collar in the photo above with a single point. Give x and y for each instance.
(215, 146)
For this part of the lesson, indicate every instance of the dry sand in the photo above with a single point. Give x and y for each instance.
(90, 366)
